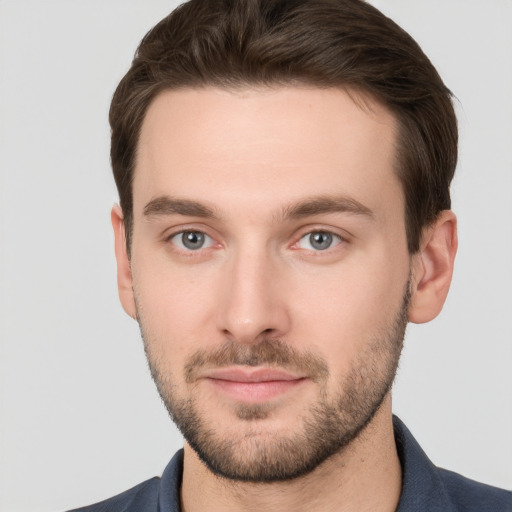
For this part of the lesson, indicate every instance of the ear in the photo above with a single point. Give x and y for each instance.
(124, 273)
(433, 268)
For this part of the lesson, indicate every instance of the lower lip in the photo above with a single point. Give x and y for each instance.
(255, 392)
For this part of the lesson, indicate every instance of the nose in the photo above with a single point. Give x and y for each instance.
(252, 302)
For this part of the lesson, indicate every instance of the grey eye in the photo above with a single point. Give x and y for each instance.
(191, 240)
(319, 241)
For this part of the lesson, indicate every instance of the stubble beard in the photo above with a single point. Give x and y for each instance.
(324, 430)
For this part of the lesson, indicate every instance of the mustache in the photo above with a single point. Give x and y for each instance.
(268, 352)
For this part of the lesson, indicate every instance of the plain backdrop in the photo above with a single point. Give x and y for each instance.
(80, 419)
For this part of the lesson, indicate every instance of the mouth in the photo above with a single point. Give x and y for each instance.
(253, 385)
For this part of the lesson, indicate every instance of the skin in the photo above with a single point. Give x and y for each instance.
(248, 156)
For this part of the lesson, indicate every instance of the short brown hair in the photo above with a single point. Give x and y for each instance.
(324, 43)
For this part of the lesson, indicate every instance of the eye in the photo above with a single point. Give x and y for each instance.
(319, 241)
(191, 240)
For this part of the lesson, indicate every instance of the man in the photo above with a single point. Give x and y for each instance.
(284, 171)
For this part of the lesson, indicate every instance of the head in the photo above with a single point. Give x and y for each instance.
(283, 170)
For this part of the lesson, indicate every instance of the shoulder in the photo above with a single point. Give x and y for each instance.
(149, 496)
(427, 488)
(143, 496)
(471, 496)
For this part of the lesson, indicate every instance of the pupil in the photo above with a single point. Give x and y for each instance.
(320, 241)
(192, 239)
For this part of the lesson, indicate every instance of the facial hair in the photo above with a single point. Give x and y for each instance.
(329, 426)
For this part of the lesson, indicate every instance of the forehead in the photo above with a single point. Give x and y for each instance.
(269, 144)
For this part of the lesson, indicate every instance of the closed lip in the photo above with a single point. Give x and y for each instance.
(251, 375)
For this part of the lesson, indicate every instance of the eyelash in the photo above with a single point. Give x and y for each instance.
(187, 250)
(336, 239)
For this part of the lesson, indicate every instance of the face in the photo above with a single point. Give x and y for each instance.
(270, 271)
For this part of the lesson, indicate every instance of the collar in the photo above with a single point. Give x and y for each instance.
(422, 488)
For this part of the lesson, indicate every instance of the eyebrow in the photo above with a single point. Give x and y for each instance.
(326, 204)
(165, 205)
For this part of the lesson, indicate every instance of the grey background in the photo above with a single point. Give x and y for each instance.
(79, 417)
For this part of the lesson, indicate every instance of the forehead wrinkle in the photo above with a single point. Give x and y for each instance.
(324, 204)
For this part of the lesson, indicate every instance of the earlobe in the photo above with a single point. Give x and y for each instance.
(124, 274)
(433, 268)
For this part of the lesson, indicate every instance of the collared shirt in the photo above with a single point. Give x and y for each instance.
(425, 488)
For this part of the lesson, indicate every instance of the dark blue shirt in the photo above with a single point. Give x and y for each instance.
(425, 488)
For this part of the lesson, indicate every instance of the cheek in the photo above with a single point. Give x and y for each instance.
(174, 309)
(341, 314)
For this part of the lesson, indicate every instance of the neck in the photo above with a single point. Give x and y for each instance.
(365, 476)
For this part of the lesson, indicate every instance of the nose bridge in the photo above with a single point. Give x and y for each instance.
(253, 304)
